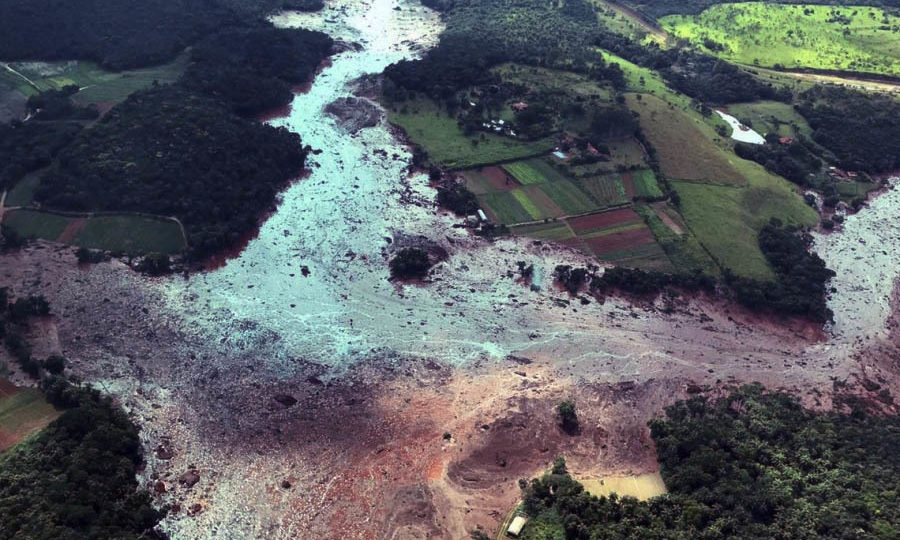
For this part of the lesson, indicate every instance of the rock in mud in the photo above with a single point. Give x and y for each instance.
(189, 478)
(286, 399)
(354, 114)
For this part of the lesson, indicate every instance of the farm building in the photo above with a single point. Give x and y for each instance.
(515, 528)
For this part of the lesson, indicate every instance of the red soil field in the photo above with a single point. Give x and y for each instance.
(499, 179)
(603, 220)
(620, 240)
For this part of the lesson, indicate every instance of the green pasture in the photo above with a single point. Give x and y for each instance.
(645, 184)
(727, 219)
(432, 129)
(684, 251)
(607, 190)
(533, 171)
(22, 412)
(771, 117)
(97, 84)
(117, 233)
(847, 38)
(646, 257)
(688, 148)
(554, 230)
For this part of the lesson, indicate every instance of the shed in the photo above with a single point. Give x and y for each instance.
(515, 528)
(481, 215)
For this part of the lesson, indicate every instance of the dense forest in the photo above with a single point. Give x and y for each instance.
(168, 151)
(753, 465)
(25, 147)
(482, 34)
(253, 69)
(121, 34)
(661, 8)
(75, 480)
(861, 129)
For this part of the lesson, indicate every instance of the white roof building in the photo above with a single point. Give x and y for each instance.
(515, 528)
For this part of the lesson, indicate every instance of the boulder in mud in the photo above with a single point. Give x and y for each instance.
(354, 114)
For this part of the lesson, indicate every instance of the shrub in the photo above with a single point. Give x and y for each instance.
(410, 263)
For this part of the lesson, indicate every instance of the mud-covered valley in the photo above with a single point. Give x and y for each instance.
(297, 392)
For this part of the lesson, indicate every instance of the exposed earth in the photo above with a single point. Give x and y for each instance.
(296, 392)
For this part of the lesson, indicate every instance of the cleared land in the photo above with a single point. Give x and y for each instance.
(97, 84)
(687, 146)
(771, 117)
(23, 411)
(641, 486)
(432, 129)
(117, 233)
(854, 38)
(726, 219)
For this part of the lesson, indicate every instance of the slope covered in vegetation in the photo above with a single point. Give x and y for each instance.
(76, 480)
(753, 465)
(169, 152)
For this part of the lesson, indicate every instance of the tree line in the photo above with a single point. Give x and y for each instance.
(753, 465)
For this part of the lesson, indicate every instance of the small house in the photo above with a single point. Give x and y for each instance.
(520, 106)
(515, 527)
(786, 141)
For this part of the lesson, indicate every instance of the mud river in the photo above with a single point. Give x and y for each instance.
(311, 394)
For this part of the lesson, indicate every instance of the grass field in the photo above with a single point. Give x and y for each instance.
(533, 171)
(688, 148)
(572, 200)
(727, 219)
(607, 190)
(130, 234)
(854, 38)
(122, 233)
(33, 224)
(555, 230)
(645, 184)
(542, 80)
(447, 145)
(771, 117)
(22, 194)
(97, 84)
(683, 250)
(641, 487)
(23, 411)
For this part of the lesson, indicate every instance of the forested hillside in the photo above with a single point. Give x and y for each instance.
(170, 152)
(121, 34)
(753, 465)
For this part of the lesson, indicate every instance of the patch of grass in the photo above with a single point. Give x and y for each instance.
(606, 190)
(852, 38)
(522, 198)
(533, 171)
(23, 411)
(684, 251)
(97, 84)
(131, 234)
(571, 199)
(540, 79)
(727, 220)
(22, 194)
(688, 148)
(547, 525)
(641, 487)
(505, 208)
(645, 184)
(428, 126)
(852, 190)
(122, 233)
(771, 117)
(555, 230)
(33, 224)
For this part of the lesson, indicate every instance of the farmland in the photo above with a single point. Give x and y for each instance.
(688, 148)
(97, 84)
(115, 233)
(23, 411)
(857, 39)
(439, 134)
